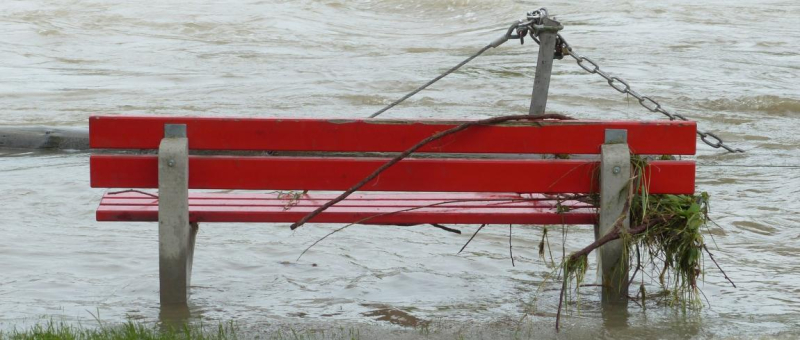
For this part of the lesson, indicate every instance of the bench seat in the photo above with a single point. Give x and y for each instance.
(383, 208)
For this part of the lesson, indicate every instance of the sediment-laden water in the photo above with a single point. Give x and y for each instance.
(731, 65)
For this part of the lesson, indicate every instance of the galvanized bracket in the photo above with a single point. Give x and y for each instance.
(616, 136)
(174, 130)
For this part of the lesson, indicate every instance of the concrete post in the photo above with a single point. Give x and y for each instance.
(615, 172)
(544, 66)
(194, 228)
(175, 235)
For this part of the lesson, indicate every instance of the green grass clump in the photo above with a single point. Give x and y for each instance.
(130, 330)
(148, 331)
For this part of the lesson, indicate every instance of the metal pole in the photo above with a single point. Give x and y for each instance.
(544, 65)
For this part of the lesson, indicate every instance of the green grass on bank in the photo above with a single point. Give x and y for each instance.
(133, 330)
(129, 330)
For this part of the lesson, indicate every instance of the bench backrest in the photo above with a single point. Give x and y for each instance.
(517, 171)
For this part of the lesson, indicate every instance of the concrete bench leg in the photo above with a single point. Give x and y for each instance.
(175, 234)
(194, 228)
(615, 172)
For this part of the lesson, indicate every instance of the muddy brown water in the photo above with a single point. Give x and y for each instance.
(731, 65)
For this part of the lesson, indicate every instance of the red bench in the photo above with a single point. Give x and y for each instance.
(483, 175)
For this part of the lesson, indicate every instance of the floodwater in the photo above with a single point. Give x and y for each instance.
(732, 65)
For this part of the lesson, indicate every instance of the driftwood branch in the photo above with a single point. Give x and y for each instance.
(510, 247)
(638, 265)
(561, 300)
(470, 239)
(718, 267)
(436, 136)
(452, 230)
(511, 200)
(616, 228)
(133, 190)
(614, 234)
(611, 236)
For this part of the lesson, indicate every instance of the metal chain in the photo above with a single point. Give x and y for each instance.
(531, 25)
(648, 103)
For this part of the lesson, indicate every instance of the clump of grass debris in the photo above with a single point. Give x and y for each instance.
(665, 234)
(672, 240)
(673, 243)
(575, 269)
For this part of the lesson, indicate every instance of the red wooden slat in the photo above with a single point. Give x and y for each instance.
(346, 203)
(349, 215)
(234, 202)
(238, 207)
(360, 135)
(340, 173)
(395, 196)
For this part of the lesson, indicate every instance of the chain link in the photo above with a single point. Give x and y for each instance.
(648, 103)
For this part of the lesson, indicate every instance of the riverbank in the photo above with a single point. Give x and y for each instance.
(127, 331)
(437, 330)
